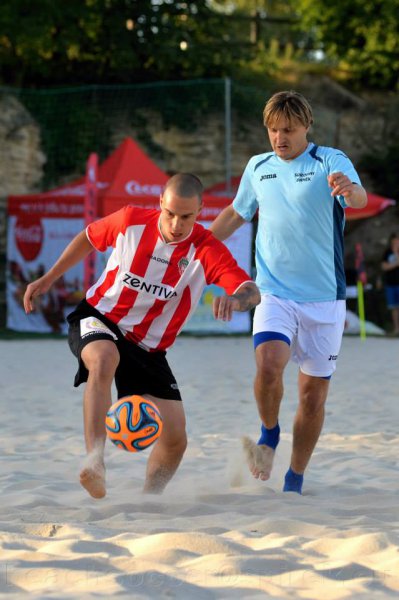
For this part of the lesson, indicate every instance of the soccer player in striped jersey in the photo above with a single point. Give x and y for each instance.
(300, 191)
(159, 264)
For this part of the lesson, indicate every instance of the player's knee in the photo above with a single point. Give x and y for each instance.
(102, 365)
(181, 444)
(269, 371)
(313, 396)
(312, 405)
(175, 444)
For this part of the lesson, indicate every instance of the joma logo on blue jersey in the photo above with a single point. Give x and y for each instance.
(271, 176)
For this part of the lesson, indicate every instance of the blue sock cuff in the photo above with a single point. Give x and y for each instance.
(270, 437)
(293, 482)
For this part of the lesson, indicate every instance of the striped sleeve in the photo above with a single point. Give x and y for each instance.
(220, 266)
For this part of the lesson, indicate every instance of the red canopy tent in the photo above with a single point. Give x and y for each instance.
(128, 175)
(376, 204)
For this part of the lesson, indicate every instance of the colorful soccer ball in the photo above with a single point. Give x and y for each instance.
(133, 423)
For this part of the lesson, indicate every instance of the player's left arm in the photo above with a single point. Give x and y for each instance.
(355, 195)
(245, 298)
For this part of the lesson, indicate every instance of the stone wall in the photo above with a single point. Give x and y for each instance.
(21, 166)
(21, 157)
(200, 151)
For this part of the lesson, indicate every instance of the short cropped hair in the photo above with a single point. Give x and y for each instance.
(289, 104)
(185, 185)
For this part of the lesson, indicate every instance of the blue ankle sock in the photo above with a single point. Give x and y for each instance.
(293, 482)
(270, 437)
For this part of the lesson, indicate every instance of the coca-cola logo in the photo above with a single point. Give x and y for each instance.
(134, 188)
(29, 236)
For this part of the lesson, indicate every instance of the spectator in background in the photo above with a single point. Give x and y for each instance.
(390, 267)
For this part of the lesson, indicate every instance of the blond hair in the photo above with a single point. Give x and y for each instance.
(290, 105)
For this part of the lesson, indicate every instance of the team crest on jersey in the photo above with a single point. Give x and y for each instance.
(182, 264)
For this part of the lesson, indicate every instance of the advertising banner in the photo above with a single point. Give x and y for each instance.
(37, 235)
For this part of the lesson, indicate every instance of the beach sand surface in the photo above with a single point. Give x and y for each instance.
(216, 532)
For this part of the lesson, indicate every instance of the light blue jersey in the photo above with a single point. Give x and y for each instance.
(299, 243)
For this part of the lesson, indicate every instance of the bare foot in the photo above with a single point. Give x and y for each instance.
(92, 475)
(259, 458)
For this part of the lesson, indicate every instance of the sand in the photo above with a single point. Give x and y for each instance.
(216, 532)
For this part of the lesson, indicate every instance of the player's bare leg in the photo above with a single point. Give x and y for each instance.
(271, 359)
(101, 359)
(168, 451)
(309, 419)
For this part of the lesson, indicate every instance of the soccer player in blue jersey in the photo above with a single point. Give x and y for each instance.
(300, 191)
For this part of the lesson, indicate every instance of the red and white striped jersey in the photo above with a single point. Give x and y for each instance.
(150, 288)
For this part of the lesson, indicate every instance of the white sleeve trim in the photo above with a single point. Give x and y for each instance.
(243, 283)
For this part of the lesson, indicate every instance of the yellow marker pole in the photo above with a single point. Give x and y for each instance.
(360, 305)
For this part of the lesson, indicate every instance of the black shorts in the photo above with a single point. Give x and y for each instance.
(139, 372)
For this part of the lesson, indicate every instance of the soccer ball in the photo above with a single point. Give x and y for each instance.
(133, 423)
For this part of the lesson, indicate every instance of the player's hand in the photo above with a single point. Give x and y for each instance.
(33, 290)
(340, 185)
(223, 307)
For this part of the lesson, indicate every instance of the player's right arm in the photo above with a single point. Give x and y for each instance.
(226, 223)
(76, 251)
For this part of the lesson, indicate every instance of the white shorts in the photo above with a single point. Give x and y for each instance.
(312, 329)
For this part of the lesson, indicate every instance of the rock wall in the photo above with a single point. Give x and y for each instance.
(21, 157)
(21, 167)
(201, 151)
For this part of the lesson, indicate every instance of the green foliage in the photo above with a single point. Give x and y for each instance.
(53, 42)
(274, 8)
(248, 100)
(360, 37)
(72, 124)
(107, 41)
